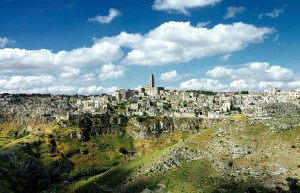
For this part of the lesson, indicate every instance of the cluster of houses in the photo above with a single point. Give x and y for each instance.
(151, 100)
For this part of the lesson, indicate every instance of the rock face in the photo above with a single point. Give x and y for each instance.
(146, 129)
(153, 128)
(90, 125)
(173, 159)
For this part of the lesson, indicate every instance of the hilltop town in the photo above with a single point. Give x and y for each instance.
(150, 139)
(150, 101)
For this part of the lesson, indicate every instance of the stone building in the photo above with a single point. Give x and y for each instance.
(150, 89)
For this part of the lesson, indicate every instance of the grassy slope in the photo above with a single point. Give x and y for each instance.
(270, 151)
(103, 150)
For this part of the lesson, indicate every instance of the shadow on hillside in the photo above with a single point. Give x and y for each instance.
(116, 180)
(245, 187)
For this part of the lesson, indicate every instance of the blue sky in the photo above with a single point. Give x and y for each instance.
(96, 46)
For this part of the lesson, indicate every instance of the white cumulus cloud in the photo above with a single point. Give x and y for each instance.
(203, 84)
(253, 71)
(15, 59)
(96, 89)
(113, 13)
(88, 77)
(25, 82)
(178, 42)
(170, 43)
(70, 72)
(111, 71)
(169, 76)
(50, 84)
(240, 84)
(182, 6)
(253, 76)
(220, 72)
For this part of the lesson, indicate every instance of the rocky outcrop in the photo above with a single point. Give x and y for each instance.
(150, 130)
(89, 125)
(153, 128)
(173, 159)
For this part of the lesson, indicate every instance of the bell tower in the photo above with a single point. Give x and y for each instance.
(151, 81)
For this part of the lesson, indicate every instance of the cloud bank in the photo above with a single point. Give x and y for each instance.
(109, 57)
(180, 42)
(254, 76)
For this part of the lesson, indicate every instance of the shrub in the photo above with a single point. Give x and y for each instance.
(71, 152)
(23, 134)
(103, 146)
(123, 151)
(140, 119)
(236, 109)
(245, 92)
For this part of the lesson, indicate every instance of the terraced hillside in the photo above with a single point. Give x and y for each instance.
(235, 155)
(153, 154)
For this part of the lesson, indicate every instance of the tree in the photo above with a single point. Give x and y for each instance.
(245, 92)
(166, 106)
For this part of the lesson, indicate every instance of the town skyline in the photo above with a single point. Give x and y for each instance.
(94, 47)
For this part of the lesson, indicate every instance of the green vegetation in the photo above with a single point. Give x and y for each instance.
(245, 92)
(234, 108)
(190, 177)
(166, 106)
(201, 175)
(122, 106)
(144, 118)
(237, 154)
(85, 172)
(141, 119)
(209, 93)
